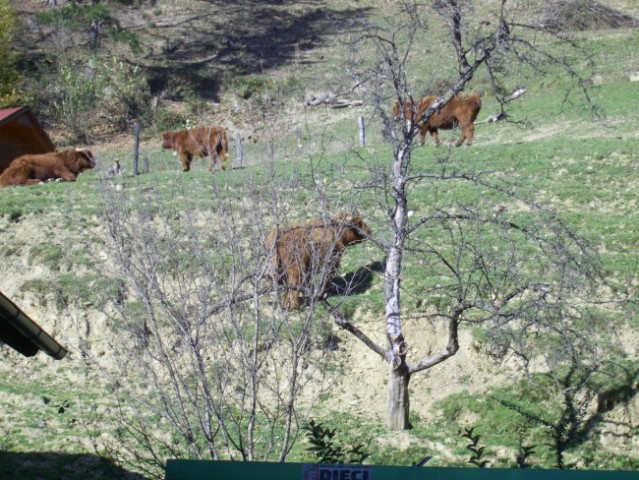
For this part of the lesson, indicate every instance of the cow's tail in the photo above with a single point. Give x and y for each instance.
(222, 148)
(475, 101)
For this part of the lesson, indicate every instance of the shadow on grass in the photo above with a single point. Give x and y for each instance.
(354, 283)
(57, 466)
(231, 38)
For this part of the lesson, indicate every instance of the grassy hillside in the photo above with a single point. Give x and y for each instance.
(253, 78)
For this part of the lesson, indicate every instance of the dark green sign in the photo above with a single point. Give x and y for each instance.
(209, 470)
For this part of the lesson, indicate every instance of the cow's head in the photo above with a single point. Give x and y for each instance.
(167, 139)
(355, 229)
(84, 159)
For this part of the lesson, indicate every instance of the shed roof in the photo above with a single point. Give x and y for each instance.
(6, 113)
(24, 335)
(20, 134)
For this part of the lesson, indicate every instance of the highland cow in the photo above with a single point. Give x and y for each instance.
(301, 251)
(31, 169)
(199, 141)
(461, 110)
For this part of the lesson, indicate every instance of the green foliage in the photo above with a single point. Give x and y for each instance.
(116, 89)
(124, 94)
(38, 287)
(49, 255)
(245, 86)
(182, 89)
(9, 75)
(68, 289)
(476, 450)
(328, 448)
(524, 454)
(166, 120)
(75, 100)
(126, 37)
(74, 14)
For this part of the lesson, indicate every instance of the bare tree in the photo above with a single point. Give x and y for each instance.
(523, 277)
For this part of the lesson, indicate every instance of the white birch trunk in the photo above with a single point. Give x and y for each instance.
(398, 404)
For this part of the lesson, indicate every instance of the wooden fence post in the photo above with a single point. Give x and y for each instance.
(362, 131)
(238, 148)
(298, 136)
(136, 152)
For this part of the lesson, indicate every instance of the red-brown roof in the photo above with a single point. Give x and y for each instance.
(7, 112)
(20, 134)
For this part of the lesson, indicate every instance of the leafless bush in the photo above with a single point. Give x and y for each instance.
(203, 359)
(578, 15)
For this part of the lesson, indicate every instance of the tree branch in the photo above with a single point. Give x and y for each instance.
(342, 322)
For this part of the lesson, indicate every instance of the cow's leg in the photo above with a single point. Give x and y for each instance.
(185, 160)
(292, 296)
(222, 155)
(422, 135)
(28, 181)
(21, 176)
(466, 134)
(292, 300)
(470, 134)
(68, 176)
(435, 134)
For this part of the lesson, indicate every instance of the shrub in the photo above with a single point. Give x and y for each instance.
(124, 93)
(166, 119)
(74, 99)
(327, 448)
(9, 76)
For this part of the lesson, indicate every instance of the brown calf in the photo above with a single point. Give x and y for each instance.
(32, 169)
(300, 251)
(199, 141)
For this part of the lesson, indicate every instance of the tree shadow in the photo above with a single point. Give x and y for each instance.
(356, 282)
(250, 37)
(573, 425)
(609, 399)
(55, 466)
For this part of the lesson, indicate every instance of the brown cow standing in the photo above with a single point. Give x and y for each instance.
(198, 141)
(462, 110)
(300, 251)
(31, 169)
(412, 110)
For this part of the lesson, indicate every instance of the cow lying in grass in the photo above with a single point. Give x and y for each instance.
(199, 141)
(301, 251)
(63, 165)
(462, 110)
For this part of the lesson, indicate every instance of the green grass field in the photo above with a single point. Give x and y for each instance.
(579, 162)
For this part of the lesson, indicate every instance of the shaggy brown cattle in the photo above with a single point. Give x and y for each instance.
(32, 169)
(462, 110)
(199, 141)
(299, 252)
(410, 109)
